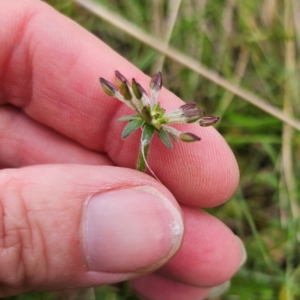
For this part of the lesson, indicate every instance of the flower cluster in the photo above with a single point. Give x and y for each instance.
(150, 116)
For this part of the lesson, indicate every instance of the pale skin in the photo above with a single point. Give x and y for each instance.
(60, 144)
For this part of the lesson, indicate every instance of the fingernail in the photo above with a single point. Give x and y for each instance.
(219, 289)
(130, 230)
(243, 251)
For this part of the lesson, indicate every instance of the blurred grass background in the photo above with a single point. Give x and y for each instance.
(255, 45)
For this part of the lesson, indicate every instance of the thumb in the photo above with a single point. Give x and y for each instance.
(65, 226)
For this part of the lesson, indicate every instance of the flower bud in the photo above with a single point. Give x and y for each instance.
(208, 121)
(108, 87)
(120, 79)
(192, 115)
(188, 106)
(137, 89)
(156, 82)
(189, 137)
(123, 85)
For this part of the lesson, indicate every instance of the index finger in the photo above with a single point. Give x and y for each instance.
(52, 70)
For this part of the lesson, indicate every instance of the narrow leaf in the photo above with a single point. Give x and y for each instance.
(147, 135)
(164, 137)
(131, 127)
(173, 136)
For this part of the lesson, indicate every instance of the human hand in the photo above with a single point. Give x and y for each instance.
(77, 215)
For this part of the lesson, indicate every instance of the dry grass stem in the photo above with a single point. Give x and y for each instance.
(240, 68)
(227, 24)
(268, 12)
(287, 132)
(166, 27)
(296, 18)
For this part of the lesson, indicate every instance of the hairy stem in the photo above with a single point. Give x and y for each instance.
(142, 158)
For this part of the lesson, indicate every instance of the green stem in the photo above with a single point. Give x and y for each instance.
(141, 162)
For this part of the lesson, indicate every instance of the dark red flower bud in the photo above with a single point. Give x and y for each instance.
(120, 79)
(156, 82)
(108, 87)
(208, 121)
(188, 106)
(123, 84)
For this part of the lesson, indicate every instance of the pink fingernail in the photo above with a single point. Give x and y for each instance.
(131, 229)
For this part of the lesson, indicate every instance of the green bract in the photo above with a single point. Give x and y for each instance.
(151, 117)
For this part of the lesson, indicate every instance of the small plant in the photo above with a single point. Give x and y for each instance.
(151, 117)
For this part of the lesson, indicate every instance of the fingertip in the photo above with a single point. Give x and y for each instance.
(200, 174)
(216, 176)
(210, 253)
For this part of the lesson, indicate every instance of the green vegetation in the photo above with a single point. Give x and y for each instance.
(254, 44)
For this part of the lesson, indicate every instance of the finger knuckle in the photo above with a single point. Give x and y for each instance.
(17, 242)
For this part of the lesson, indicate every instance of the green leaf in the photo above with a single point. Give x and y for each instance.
(131, 127)
(129, 118)
(164, 137)
(173, 136)
(147, 135)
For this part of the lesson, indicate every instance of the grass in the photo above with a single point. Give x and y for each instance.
(250, 50)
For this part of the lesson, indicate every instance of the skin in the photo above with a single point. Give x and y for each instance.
(59, 142)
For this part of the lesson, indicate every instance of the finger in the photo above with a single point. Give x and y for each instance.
(38, 139)
(53, 75)
(154, 287)
(34, 143)
(210, 254)
(25, 142)
(111, 224)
